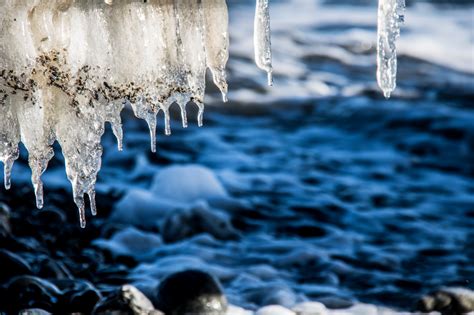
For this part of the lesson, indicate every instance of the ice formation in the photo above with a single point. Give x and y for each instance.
(67, 67)
(390, 16)
(262, 40)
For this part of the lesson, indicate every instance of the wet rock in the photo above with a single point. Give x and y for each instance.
(52, 217)
(52, 269)
(31, 292)
(448, 301)
(335, 302)
(77, 296)
(12, 265)
(199, 218)
(191, 292)
(127, 300)
(34, 311)
(5, 228)
(138, 302)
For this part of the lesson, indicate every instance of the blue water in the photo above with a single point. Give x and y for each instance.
(334, 191)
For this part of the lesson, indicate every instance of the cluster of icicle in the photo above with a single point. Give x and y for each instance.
(69, 66)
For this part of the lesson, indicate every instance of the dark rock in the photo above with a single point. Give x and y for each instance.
(25, 292)
(51, 217)
(12, 265)
(52, 269)
(5, 228)
(34, 311)
(78, 296)
(334, 302)
(199, 218)
(448, 301)
(191, 292)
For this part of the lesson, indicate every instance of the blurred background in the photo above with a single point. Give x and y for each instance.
(315, 189)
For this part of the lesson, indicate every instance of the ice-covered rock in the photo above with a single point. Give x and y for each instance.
(310, 308)
(235, 310)
(143, 208)
(177, 203)
(131, 242)
(274, 310)
(187, 183)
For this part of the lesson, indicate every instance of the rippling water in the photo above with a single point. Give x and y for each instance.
(331, 191)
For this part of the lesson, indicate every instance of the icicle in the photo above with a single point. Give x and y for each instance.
(390, 16)
(91, 195)
(7, 172)
(112, 115)
(147, 113)
(81, 209)
(118, 133)
(167, 121)
(200, 113)
(184, 118)
(35, 119)
(152, 126)
(216, 23)
(37, 170)
(262, 39)
(9, 138)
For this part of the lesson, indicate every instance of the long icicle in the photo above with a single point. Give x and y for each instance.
(390, 16)
(262, 39)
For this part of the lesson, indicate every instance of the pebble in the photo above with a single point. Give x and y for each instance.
(12, 265)
(448, 301)
(191, 292)
(77, 295)
(188, 183)
(138, 302)
(131, 242)
(34, 311)
(28, 291)
(5, 228)
(198, 218)
(274, 310)
(310, 308)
